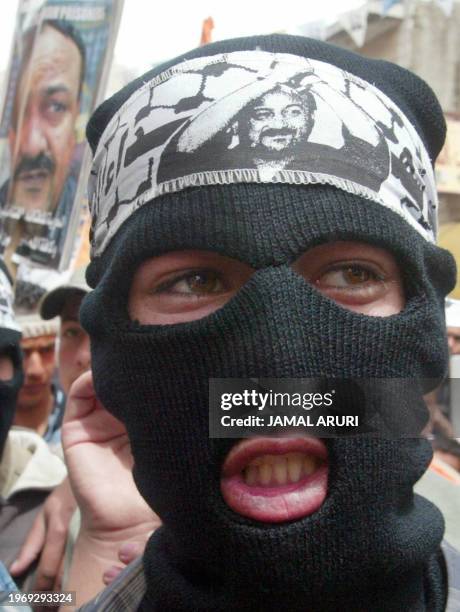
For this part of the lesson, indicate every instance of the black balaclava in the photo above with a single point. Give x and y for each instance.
(373, 544)
(9, 345)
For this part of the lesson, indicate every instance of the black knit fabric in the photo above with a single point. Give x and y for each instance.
(373, 545)
(9, 345)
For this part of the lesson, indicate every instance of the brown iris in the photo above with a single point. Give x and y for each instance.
(356, 275)
(203, 282)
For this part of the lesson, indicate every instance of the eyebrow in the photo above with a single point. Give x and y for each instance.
(71, 318)
(269, 108)
(55, 89)
(39, 347)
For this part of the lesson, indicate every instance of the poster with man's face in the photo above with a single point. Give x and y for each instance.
(42, 134)
(59, 57)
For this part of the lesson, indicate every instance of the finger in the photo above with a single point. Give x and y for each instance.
(130, 551)
(86, 419)
(51, 557)
(60, 576)
(81, 396)
(32, 546)
(110, 574)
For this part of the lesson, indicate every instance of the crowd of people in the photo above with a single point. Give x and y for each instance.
(261, 207)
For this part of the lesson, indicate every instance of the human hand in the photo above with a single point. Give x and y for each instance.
(99, 461)
(128, 552)
(47, 539)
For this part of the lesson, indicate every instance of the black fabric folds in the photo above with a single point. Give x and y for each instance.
(373, 545)
(372, 542)
(9, 346)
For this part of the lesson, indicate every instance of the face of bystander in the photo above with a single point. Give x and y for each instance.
(453, 339)
(38, 364)
(74, 349)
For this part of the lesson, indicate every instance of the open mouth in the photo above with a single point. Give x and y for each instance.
(274, 480)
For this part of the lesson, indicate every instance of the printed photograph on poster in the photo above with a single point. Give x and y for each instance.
(448, 162)
(60, 57)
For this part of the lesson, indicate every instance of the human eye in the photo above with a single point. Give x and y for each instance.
(57, 107)
(47, 350)
(261, 114)
(358, 276)
(54, 109)
(197, 283)
(350, 277)
(184, 286)
(294, 111)
(70, 332)
(352, 282)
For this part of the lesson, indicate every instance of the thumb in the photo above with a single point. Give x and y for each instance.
(31, 547)
(81, 397)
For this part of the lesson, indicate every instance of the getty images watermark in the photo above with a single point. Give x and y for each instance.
(274, 400)
(324, 407)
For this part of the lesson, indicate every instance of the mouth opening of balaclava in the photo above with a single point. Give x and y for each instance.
(372, 544)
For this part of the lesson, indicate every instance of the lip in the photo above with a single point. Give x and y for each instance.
(33, 389)
(279, 139)
(33, 179)
(279, 503)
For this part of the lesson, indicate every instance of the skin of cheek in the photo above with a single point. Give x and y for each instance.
(388, 305)
(453, 339)
(73, 361)
(62, 147)
(6, 368)
(65, 368)
(40, 367)
(146, 312)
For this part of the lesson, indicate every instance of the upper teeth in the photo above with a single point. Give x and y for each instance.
(279, 469)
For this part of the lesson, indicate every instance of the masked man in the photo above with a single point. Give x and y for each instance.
(229, 273)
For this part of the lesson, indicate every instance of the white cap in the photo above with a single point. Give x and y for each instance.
(33, 326)
(452, 313)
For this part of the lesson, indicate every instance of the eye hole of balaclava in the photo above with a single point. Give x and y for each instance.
(183, 286)
(270, 242)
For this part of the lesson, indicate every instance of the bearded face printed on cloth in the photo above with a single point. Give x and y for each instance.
(270, 213)
(10, 356)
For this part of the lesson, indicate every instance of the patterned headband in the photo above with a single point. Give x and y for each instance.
(259, 117)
